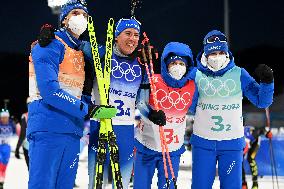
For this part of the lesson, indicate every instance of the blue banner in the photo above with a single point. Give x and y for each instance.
(264, 159)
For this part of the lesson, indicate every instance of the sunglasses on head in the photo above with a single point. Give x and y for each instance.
(83, 2)
(214, 38)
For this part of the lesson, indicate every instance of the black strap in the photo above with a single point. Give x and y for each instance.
(89, 77)
(145, 86)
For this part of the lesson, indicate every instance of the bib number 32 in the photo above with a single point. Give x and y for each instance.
(219, 126)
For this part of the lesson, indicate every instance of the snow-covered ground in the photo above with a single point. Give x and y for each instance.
(17, 174)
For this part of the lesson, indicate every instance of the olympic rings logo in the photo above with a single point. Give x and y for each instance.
(5, 130)
(217, 86)
(172, 99)
(124, 69)
(77, 60)
(78, 64)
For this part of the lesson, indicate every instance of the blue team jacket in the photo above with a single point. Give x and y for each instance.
(52, 113)
(261, 95)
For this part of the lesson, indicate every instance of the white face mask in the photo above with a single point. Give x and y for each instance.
(217, 62)
(78, 24)
(177, 71)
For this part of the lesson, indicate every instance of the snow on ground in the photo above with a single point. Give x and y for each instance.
(17, 174)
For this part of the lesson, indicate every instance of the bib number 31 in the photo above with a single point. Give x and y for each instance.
(219, 126)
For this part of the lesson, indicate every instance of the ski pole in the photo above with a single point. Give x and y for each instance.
(274, 162)
(146, 42)
(271, 151)
(161, 128)
(161, 136)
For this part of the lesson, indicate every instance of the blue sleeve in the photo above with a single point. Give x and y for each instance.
(143, 98)
(87, 99)
(192, 73)
(102, 51)
(46, 64)
(193, 105)
(261, 95)
(87, 50)
(192, 108)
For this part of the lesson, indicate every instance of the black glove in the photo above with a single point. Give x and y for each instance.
(92, 109)
(46, 35)
(157, 117)
(264, 73)
(17, 154)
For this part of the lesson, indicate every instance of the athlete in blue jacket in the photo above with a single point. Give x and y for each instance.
(7, 130)
(125, 81)
(218, 132)
(56, 111)
(176, 95)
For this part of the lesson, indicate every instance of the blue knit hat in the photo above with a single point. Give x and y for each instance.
(123, 24)
(70, 5)
(215, 41)
(174, 58)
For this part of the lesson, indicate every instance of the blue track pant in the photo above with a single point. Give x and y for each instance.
(53, 160)
(204, 168)
(144, 169)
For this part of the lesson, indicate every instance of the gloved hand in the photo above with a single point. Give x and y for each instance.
(46, 35)
(101, 111)
(157, 117)
(17, 154)
(154, 55)
(269, 135)
(155, 59)
(264, 73)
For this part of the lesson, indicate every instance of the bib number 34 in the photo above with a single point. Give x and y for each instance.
(121, 108)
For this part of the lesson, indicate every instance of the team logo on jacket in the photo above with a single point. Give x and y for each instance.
(76, 59)
(78, 64)
(6, 130)
(125, 70)
(172, 99)
(217, 87)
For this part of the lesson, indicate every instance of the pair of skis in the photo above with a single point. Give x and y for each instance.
(106, 133)
(146, 47)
